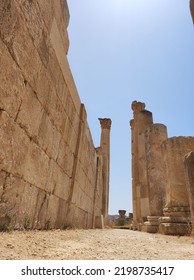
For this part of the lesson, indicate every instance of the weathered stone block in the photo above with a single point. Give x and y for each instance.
(52, 210)
(9, 20)
(62, 187)
(23, 50)
(12, 153)
(47, 12)
(175, 229)
(30, 113)
(36, 167)
(61, 220)
(64, 65)
(39, 219)
(33, 20)
(11, 201)
(12, 88)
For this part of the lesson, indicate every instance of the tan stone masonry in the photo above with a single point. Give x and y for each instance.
(51, 175)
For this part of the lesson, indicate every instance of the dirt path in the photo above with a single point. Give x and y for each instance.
(94, 245)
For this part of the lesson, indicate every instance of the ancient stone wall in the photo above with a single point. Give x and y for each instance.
(159, 180)
(50, 172)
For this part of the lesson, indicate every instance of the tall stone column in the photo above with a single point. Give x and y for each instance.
(176, 211)
(189, 173)
(142, 120)
(192, 9)
(155, 135)
(136, 209)
(105, 152)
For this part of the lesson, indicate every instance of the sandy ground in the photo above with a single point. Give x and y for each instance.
(107, 244)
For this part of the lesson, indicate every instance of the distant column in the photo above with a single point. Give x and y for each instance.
(105, 152)
(189, 173)
(176, 211)
(142, 120)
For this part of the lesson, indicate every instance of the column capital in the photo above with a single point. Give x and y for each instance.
(105, 123)
(137, 106)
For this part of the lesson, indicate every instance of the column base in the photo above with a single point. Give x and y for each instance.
(176, 221)
(175, 229)
(152, 225)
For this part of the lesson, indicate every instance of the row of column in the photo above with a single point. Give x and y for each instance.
(159, 188)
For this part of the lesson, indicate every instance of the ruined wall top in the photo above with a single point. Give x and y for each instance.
(105, 123)
(192, 9)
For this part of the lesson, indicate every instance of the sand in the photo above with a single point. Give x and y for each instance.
(107, 244)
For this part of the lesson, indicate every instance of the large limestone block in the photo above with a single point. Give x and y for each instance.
(54, 108)
(12, 87)
(66, 159)
(61, 219)
(23, 50)
(30, 113)
(59, 49)
(78, 195)
(47, 12)
(11, 195)
(52, 211)
(63, 184)
(39, 220)
(36, 167)
(14, 145)
(28, 206)
(33, 20)
(68, 133)
(48, 137)
(61, 13)
(9, 19)
(78, 218)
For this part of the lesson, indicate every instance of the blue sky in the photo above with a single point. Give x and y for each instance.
(125, 50)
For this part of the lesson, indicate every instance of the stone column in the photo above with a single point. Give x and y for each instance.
(192, 9)
(142, 120)
(105, 152)
(189, 173)
(155, 135)
(136, 209)
(176, 220)
(122, 214)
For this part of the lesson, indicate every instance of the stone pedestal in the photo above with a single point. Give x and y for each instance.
(176, 221)
(151, 225)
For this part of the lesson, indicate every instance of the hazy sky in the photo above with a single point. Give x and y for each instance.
(125, 50)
